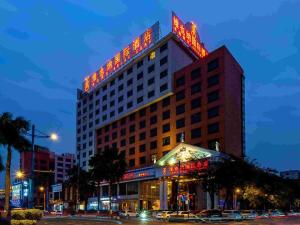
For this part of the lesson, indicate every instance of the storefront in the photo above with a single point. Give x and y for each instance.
(171, 183)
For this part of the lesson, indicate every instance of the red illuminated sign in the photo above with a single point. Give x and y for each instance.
(140, 174)
(185, 168)
(139, 44)
(189, 35)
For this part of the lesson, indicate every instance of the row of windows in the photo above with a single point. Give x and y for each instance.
(196, 73)
(180, 109)
(140, 63)
(195, 133)
(211, 81)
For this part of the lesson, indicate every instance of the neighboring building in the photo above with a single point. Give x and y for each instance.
(63, 163)
(49, 169)
(144, 109)
(44, 165)
(291, 174)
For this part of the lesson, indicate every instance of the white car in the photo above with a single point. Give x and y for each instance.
(127, 213)
(232, 214)
(163, 215)
(184, 214)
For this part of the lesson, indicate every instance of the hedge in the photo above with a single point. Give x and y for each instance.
(23, 222)
(27, 214)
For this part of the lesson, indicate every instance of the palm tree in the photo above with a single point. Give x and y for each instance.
(82, 182)
(12, 135)
(108, 165)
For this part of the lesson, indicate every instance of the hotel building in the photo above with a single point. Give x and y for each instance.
(169, 92)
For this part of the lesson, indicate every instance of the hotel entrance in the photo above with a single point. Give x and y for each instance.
(185, 195)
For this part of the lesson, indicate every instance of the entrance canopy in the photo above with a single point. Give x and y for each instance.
(184, 153)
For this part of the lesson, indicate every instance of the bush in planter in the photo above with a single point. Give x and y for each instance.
(18, 214)
(33, 214)
(29, 214)
(23, 222)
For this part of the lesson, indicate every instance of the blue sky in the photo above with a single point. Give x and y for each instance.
(48, 47)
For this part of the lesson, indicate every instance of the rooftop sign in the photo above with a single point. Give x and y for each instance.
(188, 34)
(139, 44)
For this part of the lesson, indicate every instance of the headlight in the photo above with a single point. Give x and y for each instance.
(143, 215)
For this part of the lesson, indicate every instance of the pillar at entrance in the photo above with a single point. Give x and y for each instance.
(163, 194)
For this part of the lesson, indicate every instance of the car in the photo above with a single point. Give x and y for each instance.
(293, 213)
(127, 213)
(210, 213)
(185, 214)
(261, 214)
(276, 213)
(232, 214)
(249, 214)
(163, 215)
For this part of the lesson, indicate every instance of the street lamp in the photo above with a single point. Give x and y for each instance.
(19, 174)
(42, 189)
(237, 191)
(53, 137)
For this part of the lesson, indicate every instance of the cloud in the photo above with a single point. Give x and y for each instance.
(4, 5)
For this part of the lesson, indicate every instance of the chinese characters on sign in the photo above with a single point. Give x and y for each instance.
(139, 44)
(188, 34)
(136, 175)
(185, 168)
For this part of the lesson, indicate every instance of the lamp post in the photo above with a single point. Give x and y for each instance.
(42, 189)
(237, 191)
(52, 137)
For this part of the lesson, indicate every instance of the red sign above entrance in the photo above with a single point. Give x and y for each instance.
(188, 34)
(185, 168)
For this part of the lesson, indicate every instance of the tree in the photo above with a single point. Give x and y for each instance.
(82, 182)
(208, 181)
(12, 136)
(109, 166)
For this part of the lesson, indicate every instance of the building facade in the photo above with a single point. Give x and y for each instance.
(63, 162)
(49, 168)
(44, 165)
(145, 108)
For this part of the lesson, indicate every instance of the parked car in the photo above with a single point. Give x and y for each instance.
(232, 214)
(276, 213)
(185, 214)
(293, 213)
(127, 213)
(210, 213)
(249, 214)
(261, 214)
(163, 215)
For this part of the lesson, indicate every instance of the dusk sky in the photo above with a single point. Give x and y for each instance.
(48, 47)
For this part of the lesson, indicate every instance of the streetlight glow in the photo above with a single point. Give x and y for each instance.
(41, 189)
(19, 174)
(237, 190)
(54, 137)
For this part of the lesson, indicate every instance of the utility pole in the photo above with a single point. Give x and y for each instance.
(31, 205)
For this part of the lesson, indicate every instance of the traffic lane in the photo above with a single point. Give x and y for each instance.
(283, 221)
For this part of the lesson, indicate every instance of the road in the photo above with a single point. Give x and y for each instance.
(289, 221)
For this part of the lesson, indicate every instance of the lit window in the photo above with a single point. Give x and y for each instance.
(152, 55)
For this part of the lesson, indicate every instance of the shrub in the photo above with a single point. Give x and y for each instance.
(18, 214)
(23, 222)
(29, 214)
